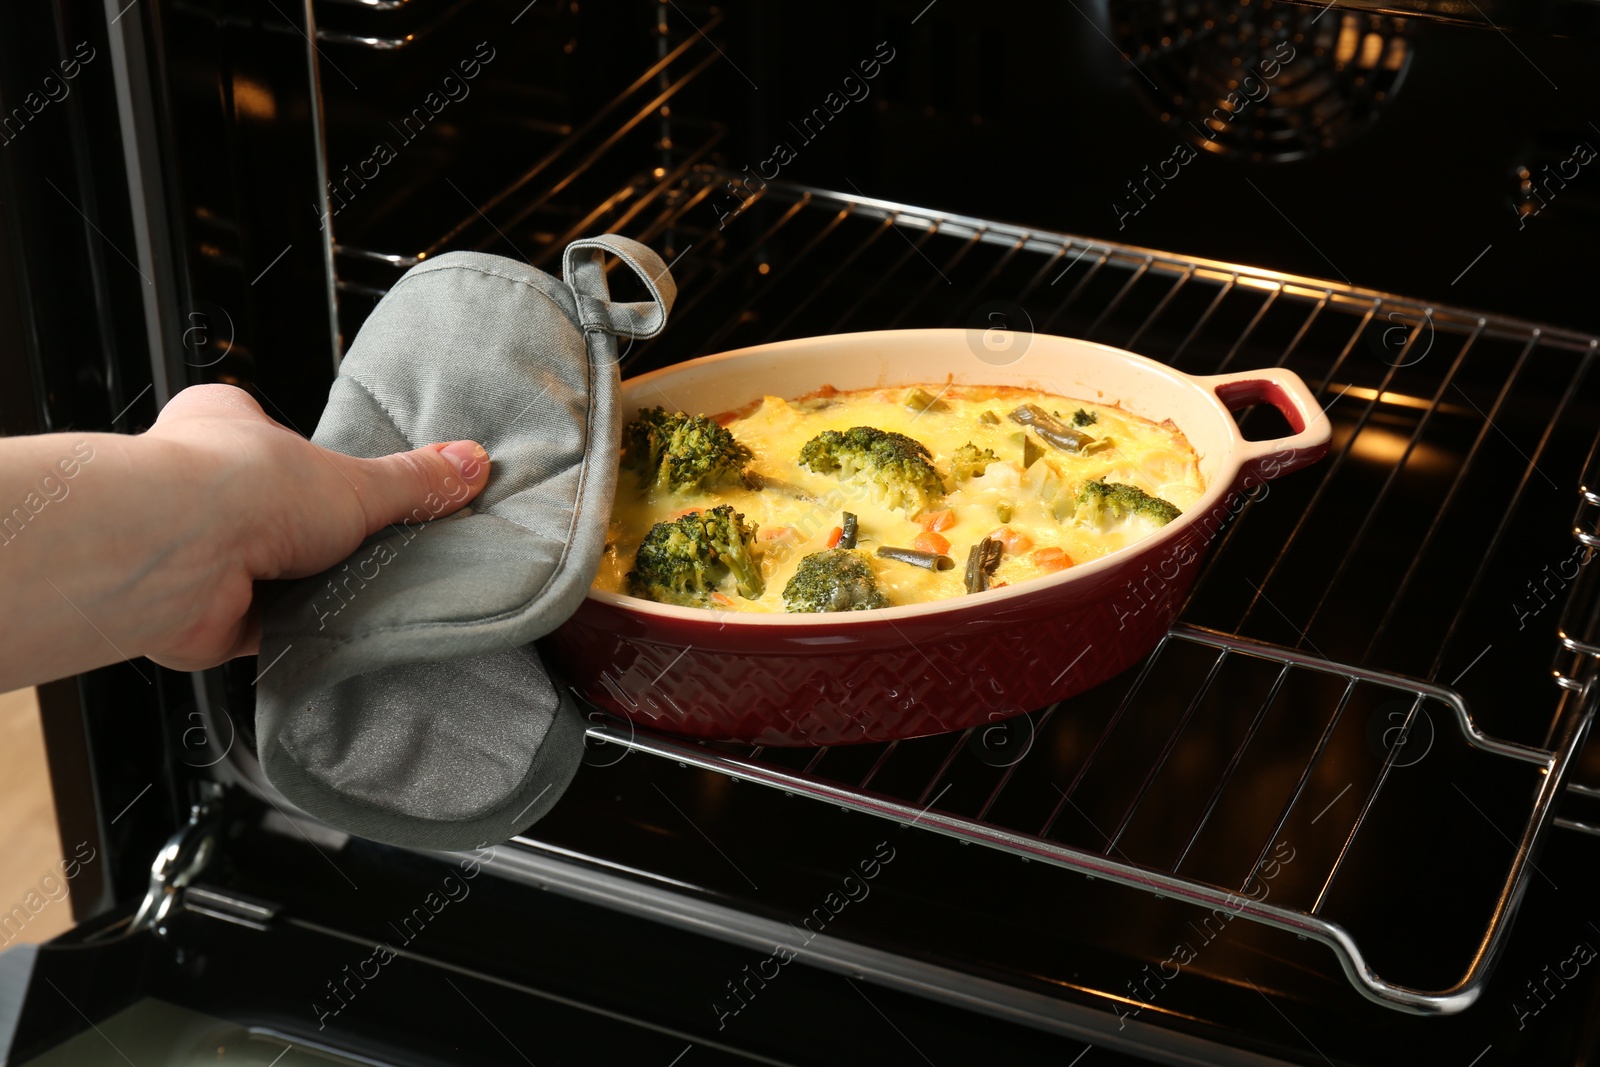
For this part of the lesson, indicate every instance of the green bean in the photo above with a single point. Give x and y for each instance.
(931, 561)
(1051, 429)
(918, 400)
(983, 558)
(847, 539)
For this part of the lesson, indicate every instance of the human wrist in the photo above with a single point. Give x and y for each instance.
(94, 540)
(178, 542)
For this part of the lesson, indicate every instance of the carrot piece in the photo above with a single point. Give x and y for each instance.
(1015, 541)
(937, 520)
(680, 513)
(834, 535)
(931, 542)
(1052, 559)
(773, 533)
(721, 599)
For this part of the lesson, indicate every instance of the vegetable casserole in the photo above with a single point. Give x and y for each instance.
(882, 497)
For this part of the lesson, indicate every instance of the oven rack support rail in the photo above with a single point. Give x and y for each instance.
(1579, 632)
(1552, 764)
(1579, 629)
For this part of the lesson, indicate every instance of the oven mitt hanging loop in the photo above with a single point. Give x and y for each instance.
(583, 269)
(402, 700)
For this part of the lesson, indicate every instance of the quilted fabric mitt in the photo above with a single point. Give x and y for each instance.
(407, 705)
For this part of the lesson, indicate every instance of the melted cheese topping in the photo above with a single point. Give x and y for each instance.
(1156, 458)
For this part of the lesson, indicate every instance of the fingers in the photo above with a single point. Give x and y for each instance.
(427, 483)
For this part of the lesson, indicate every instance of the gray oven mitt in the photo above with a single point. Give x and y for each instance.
(400, 699)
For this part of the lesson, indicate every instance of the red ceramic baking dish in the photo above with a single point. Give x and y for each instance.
(926, 668)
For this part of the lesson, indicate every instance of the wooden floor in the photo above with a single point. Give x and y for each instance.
(30, 847)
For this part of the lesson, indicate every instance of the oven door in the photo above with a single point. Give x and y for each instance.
(262, 940)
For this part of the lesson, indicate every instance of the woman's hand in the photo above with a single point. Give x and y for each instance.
(152, 547)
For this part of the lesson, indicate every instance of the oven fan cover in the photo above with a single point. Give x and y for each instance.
(1263, 81)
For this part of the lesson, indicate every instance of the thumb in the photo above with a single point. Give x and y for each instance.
(425, 483)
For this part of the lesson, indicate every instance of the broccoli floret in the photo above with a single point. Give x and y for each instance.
(899, 469)
(835, 579)
(970, 461)
(1084, 418)
(683, 560)
(681, 452)
(1102, 504)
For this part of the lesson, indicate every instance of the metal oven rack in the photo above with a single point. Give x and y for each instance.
(1284, 647)
(1042, 801)
(920, 807)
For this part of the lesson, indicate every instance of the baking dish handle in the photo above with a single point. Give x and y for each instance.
(1284, 390)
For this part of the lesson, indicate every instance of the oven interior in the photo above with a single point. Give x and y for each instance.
(1313, 702)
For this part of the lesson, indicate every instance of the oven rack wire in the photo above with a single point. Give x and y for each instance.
(926, 231)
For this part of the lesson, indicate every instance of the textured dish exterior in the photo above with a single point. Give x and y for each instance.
(881, 681)
(908, 672)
